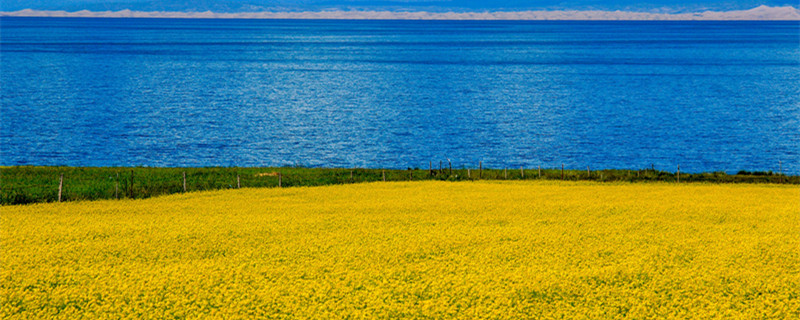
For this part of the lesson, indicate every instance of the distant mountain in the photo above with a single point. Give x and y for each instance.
(236, 6)
(758, 13)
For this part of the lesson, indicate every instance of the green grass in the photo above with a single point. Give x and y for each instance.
(27, 184)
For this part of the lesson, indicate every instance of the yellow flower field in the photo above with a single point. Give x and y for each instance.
(505, 250)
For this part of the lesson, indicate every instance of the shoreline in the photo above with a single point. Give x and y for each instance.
(40, 184)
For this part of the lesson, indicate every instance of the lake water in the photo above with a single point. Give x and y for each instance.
(710, 96)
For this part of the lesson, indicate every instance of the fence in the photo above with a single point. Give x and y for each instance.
(19, 185)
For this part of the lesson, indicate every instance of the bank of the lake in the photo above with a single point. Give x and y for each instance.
(33, 184)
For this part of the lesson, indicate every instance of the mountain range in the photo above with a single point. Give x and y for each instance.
(758, 13)
(437, 6)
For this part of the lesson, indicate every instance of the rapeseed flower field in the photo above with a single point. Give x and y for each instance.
(499, 250)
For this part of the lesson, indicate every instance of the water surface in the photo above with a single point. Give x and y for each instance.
(710, 96)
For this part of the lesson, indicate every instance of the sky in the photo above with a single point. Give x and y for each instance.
(654, 6)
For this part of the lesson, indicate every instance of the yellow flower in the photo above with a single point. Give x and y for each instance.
(487, 249)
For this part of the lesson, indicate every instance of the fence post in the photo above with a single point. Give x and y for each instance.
(540, 170)
(780, 170)
(588, 172)
(430, 168)
(383, 173)
(469, 174)
(679, 173)
(505, 173)
(238, 182)
(522, 172)
(562, 171)
(130, 188)
(280, 180)
(450, 165)
(480, 168)
(440, 167)
(60, 186)
(116, 188)
(351, 176)
(184, 181)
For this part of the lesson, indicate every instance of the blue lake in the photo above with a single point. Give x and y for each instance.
(708, 96)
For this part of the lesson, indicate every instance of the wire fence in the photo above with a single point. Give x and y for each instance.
(21, 185)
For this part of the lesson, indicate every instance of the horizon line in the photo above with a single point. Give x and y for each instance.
(760, 13)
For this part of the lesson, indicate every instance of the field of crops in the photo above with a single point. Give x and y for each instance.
(484, 249)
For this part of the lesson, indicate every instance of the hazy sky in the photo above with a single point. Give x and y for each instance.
(391, 5)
